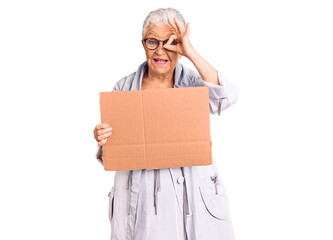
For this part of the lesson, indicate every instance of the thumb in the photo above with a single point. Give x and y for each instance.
(170, 47)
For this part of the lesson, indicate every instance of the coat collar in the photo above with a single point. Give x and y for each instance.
(137, 81)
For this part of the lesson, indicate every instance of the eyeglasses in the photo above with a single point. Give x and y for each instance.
(153, 43)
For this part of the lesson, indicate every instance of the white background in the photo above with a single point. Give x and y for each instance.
(272, 146)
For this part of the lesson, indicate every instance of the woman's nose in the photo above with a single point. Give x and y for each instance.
(160, 47)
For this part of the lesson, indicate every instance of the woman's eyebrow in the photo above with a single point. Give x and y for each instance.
(169, 34)
(150, 34)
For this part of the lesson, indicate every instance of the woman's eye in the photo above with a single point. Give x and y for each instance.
(152, 42)
(174, 43)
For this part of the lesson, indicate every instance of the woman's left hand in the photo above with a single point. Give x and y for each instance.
(184, 46)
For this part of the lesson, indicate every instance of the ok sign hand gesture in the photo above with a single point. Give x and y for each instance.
(183, 46)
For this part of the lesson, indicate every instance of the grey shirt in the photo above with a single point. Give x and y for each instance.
(172, 203)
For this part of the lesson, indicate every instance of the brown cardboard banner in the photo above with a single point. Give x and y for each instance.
(156, 128)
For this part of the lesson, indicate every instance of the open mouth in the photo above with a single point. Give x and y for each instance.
(160, 61)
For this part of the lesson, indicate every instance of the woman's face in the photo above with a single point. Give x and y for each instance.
(160, 61)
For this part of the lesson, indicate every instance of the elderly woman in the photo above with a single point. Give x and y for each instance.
(172, 203)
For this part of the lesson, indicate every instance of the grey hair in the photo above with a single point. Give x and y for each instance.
(159, 17)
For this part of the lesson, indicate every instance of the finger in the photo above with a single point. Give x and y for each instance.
(173, 25)
(168, 45)
(101, 143)
(170, 48)
(187, 29)
(172, 38)
(179, 27)
(102, 125)
(101, 137)
(105, 130)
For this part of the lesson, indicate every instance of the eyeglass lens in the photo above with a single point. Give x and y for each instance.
(152, 43)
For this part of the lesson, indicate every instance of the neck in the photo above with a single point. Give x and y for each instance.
(165, 79)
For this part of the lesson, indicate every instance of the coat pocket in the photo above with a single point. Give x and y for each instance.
(111, 203)
(214, 197)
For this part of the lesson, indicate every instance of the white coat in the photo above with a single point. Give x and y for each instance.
(172, 203)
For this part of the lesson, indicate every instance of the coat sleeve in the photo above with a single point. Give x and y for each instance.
(221, 96)
(99, 153)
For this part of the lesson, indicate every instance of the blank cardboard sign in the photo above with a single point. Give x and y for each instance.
(156, 128)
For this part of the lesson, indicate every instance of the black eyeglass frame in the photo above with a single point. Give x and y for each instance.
(163, 42)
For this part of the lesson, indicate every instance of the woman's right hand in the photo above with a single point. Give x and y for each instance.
(102, 132)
